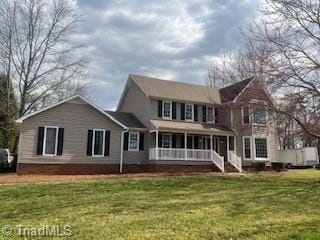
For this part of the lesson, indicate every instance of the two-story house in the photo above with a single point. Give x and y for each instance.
(159, 125)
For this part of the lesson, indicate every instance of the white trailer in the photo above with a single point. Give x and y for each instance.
(302, 157)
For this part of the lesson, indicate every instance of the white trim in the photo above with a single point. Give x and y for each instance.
(243, 148)
(185, 111)
(168, 134)
(170, 102)
(255, 150)
(94, 142)
(20, 120)
(245, 88)
(213, 114)
(138, 142)
(45, 138)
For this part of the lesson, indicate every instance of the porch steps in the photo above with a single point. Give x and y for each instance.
(228, 167)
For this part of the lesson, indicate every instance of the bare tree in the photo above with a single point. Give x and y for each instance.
(36, 50)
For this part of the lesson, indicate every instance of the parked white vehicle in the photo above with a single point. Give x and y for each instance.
(5, 158)
(299, 157)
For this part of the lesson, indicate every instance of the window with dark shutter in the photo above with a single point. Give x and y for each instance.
(174, 110)
(182, 111)
(107, 143)
(195, 111)
(216, 115)
(60, 141)
(160, 140)
(89, 142)
(40, 141)
(204, 113)
(141, 141)
(174, 140)
(160, 109)
(182, 141)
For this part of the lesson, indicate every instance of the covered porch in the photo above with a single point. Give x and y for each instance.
(193, 142)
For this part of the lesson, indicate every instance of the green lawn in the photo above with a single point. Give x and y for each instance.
(261, 206)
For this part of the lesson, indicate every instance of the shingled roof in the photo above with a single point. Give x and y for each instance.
(127, 119)
(158, 88)
(229, 93)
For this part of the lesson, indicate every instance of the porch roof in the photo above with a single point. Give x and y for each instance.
(191, 127)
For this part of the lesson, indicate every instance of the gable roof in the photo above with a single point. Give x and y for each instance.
(20, 120)
(159, 88)
(127, 119)
(229, 93)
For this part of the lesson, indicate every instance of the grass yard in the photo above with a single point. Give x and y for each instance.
(256, 206)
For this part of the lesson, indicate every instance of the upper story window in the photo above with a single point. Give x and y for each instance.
(259, 116)
(167, 110)
(50, 141)
(245, 115)
(189, 108)
(210, 114)
(133, 141)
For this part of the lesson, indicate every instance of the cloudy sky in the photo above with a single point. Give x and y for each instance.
(166, 39)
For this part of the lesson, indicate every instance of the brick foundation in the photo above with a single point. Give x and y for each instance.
(90, 169)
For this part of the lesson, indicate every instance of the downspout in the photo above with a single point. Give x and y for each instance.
(121, 150)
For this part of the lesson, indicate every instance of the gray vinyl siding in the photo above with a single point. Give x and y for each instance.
(136, 102)
(76, 118)
(138, 157)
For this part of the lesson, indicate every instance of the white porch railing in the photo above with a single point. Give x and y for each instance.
(218, 160)
(235, 160)
(187, 155)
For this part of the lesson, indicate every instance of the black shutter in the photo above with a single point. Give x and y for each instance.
(204, 113)
(60, 141)
(160, 109)
(141, 141)
(125, 141)
(195, 112)
(40, 141)
(174, 140)
(196, 142)
(107, 143)
(174, 110)
(182, 141)
(216, 115)
(89, 142)
(160, 140)
(183, 106)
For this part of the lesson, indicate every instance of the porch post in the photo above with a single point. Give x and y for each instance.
(157, 144)
(185, 146)
(211, 147)
(227, 148)
(235, 145)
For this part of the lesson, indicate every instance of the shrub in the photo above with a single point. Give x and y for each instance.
(258, 166)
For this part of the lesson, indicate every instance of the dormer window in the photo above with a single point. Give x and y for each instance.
(210, 114)
(189, 112)
(167, 110)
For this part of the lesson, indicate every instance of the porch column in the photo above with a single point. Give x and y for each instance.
(157, 143)
(185, 147)
(211, 147)
(227, 148)
(235, 145)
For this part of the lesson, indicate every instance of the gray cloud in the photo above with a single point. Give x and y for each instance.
(171, 39)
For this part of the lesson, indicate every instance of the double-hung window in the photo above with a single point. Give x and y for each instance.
(247, 153)
(245, 115)
(260, 116)
(167, 110)
(189, 112)
(210, 114)
(133, 141)
(50, 141)
(261, 146)
(98, 142)
(166, 140)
